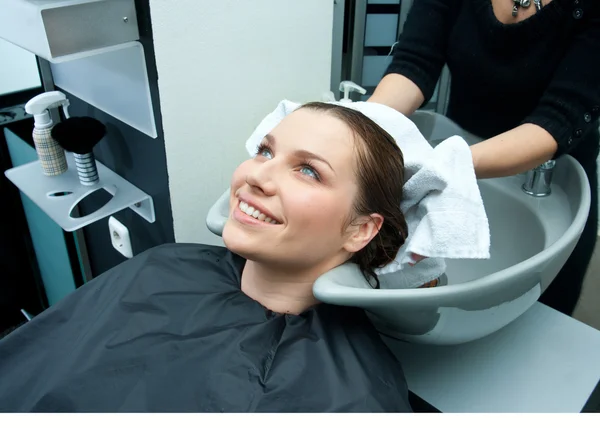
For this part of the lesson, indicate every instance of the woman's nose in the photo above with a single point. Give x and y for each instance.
(261, 178)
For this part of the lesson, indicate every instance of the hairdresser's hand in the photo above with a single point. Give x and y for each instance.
(416, 259)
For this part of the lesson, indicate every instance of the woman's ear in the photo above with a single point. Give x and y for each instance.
(362, 231)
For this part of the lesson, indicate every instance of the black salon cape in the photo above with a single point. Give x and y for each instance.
(171, 331)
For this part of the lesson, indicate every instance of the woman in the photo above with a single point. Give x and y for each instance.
(188, 327)
(526, 79)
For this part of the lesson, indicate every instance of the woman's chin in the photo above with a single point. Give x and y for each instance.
(238, 240)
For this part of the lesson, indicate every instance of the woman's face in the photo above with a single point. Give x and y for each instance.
(302, 182)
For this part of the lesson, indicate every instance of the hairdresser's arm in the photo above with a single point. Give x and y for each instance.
(398, 92)
(513, 152)
(509, 153)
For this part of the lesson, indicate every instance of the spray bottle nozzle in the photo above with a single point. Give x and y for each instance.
(347, 86)
(39, 105)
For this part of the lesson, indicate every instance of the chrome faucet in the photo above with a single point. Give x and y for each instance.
(538, 180)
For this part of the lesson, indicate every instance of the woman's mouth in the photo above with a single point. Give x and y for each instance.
(249, 210)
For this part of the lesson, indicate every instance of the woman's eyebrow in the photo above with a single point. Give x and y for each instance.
(300, 153)
(270, 139)
(311, 155)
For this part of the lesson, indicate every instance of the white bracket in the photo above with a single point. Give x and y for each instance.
(114, 80)
(58, 195)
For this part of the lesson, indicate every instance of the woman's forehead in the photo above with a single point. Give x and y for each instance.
(315, 131)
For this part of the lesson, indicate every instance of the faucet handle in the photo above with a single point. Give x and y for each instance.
(548, 164)
(538, 181)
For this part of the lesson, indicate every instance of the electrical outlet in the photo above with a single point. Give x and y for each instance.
(119, 236)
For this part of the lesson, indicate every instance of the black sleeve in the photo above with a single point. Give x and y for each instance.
(420, 52)
(570, 106)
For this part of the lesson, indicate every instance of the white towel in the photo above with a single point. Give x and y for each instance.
(441, 202)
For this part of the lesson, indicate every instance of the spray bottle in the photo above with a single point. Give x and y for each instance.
(52, 157)
(346, 87)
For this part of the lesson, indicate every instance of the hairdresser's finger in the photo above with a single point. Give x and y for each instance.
(416, 258)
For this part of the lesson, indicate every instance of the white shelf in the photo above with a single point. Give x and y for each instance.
(30, 180)
(57, 30)
(94, 50)
(114, 80)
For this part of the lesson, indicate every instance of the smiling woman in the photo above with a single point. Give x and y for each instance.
(189, 327)
(333, 188)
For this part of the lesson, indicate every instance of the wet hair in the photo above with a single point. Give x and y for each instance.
(380, 177)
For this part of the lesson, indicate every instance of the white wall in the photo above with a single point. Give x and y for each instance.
(222, 66)
(18, 71)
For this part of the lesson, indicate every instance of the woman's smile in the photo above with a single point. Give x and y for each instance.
(248, 214)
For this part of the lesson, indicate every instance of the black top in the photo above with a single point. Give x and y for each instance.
(171, 331)
(544, 70)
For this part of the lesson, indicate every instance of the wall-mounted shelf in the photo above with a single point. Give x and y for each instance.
(94, 51)
(114, 80)
(40, 189)
(58, 30)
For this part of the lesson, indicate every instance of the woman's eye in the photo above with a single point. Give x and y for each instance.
(307, 170)
(266, 153)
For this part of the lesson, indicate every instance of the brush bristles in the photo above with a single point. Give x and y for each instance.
(79, 134)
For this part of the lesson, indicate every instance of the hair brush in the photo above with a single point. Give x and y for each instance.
(79, 135)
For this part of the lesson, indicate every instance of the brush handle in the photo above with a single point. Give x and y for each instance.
(86, 168)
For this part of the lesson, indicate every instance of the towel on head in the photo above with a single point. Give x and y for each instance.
(441, 202)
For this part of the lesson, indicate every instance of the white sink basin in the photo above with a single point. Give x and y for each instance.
(519, 229)
(531, 239)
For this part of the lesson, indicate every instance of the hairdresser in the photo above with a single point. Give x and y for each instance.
(525, 76)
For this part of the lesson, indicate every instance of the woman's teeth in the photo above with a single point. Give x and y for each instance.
(251, 211)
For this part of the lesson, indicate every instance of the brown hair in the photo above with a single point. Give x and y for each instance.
(380, 176)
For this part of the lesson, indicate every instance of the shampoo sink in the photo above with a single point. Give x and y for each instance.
(531, 239)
